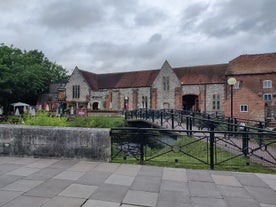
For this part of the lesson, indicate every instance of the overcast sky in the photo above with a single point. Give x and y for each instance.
(104, 36)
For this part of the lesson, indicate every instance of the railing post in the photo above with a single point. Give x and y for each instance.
(172, 115)
(191, 126)
(125, 115)
(236, 124)
(146, 114)
(212, 141)
(152, 115)
(142, 143)
(228, 124)
(260, 137)
(161, 117)
(245, 140)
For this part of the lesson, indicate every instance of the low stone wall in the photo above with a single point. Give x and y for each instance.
(69, 142)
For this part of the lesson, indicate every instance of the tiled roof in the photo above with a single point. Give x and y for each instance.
(120, 80)
(207, 74)
(253, 64)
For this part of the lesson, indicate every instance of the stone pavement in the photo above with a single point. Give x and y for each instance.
(73, 183)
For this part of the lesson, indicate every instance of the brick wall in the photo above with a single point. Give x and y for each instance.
(244, 96)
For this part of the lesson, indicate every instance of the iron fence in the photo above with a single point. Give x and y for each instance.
(190, 147)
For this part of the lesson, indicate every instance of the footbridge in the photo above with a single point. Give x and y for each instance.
(208, 139)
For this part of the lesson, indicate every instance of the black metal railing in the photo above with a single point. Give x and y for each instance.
(177, 119)
(205, 147)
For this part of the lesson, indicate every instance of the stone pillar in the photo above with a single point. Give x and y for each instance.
(154, 98)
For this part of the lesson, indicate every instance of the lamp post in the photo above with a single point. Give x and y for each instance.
(231, 82)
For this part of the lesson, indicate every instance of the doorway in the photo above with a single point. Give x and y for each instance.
(95, 106)
(190, 103)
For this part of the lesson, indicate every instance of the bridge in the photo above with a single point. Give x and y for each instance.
(208, 139)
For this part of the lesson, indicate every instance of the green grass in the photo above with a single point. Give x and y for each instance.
(197, 149)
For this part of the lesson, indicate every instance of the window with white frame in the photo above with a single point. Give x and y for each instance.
(267, 97)
(216, 102)
(244, 108)
(267, 84)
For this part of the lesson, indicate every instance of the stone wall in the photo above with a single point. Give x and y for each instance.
(68, 142)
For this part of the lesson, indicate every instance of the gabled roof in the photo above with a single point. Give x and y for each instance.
(205, 74)
(252, 64)
(91, 79)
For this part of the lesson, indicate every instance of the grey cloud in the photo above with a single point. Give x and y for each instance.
(72, 14)
(149, 17)
(233, 17)
(155, 38)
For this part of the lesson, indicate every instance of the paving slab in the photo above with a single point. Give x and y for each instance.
(120, 180)
(175, 186)
(204, 189)
(269, 179)
(141, 198)
(22, 185)
(64, 164)
(78, 191)
(151, 171)
(94, 178)
(129, 170)
(110, 192)
(23, 171)
(6, 196)
(44, 174)
(42, 163)
(83, 166)
(173, 198)
(8, 179)
(97, 203)
(60, 201)
(263, 195)
(107, 167)
(69, 175)
(174, 174)
(199, 175)
(209, 202)
(249, 179)
(230, 191)
(244, 202)
(24, 201)
(146, 183)
(226, 180)
(49, 189)
(7, 167)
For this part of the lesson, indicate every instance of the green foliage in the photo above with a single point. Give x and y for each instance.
(96, 121)
(25, 74)
(43, 119)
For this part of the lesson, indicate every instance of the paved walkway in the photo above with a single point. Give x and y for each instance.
(32, 182)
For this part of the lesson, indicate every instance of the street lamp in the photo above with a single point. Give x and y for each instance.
(231, 82)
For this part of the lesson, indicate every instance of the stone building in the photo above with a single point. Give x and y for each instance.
(197, 88)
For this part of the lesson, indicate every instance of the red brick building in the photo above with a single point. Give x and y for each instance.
(196, 88)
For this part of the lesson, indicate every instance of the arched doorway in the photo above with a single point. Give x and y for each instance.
(190, 103)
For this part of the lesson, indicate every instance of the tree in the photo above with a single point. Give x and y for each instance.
(26, 74)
